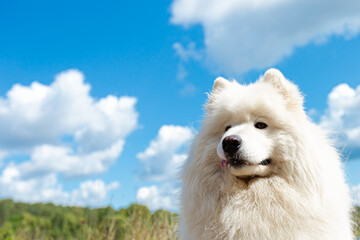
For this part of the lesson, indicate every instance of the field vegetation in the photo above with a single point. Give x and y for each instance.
(21, 221)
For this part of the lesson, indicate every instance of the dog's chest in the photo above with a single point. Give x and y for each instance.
(265, 214)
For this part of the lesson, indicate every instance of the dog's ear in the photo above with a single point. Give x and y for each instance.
(219, 85)
(288, 90)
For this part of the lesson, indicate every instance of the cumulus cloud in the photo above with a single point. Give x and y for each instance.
(92, 192)
(38, 114)
(154, 197)
(256, 34)
(46, 188)
(161, 162)
(60, 130)
(63, 128)
(343, 115)
(62, 159)
(165, 154)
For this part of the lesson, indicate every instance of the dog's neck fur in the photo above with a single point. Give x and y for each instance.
(261, 201)
(265, 202)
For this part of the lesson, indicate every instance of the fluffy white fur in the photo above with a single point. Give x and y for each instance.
(301, 194)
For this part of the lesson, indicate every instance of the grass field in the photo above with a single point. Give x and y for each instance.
(47, 221)
(21, 221)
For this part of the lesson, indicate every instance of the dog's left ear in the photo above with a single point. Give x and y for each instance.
(288, 90)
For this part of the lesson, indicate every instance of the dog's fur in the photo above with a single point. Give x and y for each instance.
(301, 194)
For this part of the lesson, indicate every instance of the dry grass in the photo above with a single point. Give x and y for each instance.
(141, 226)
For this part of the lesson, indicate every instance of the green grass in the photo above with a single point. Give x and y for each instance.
(47, 221)
(21, 221)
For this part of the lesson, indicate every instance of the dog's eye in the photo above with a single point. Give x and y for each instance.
(227, 128)
(260, 125)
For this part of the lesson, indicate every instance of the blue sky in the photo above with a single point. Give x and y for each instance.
(120, 87)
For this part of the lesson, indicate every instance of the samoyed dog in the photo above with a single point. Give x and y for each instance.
(260, 169)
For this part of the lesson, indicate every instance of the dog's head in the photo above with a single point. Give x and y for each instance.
(255, 125)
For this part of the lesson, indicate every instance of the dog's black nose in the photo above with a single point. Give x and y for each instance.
(231, 144)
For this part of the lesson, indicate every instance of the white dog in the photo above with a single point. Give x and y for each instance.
(282, 178)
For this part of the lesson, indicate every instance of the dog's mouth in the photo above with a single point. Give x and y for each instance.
(245, 170)
(239, 163)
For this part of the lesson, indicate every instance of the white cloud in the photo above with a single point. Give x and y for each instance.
(162, 159)
(61, 130)
(37, 119)
(41, 189)
(161, 162)
(256, 34)
(62, 159)
(92, 193)
(45, 188)
(155, 197)
(38, 114)
(343, 115)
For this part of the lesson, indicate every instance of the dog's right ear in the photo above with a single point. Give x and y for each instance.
(219, 85)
